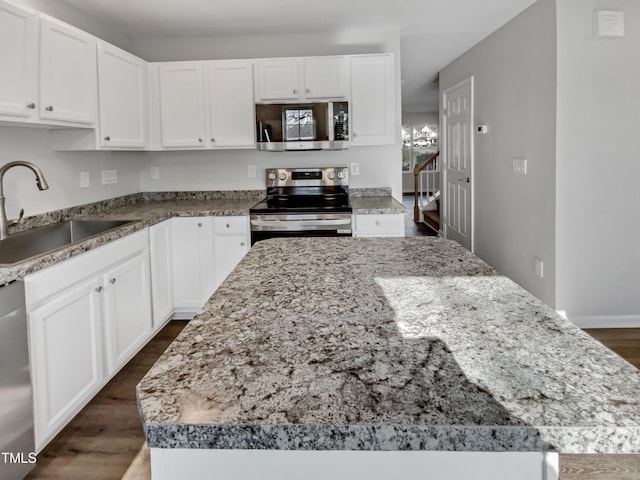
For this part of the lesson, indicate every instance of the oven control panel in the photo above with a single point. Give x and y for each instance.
(307, 177)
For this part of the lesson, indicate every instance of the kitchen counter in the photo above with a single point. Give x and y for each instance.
(147, 209)
(385, 344)
(374, 201)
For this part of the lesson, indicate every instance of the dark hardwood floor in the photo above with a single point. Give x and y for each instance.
(412, 229)
(105, 441)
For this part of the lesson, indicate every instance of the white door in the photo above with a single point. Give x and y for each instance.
(18, 57)
(66, 356)
(278, 79)
(122, 79)
(68, 74)
(127, 303)
(182, 105)
(161, 253)
(458, 161)
(325, 77)
(231, 106)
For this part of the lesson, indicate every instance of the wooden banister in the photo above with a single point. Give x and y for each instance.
(416, 172)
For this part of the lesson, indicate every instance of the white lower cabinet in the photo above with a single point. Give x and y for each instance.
(231, 244)
(161, 253)
(87, 317)
(127, 307)
(379, 225)
(205, 251)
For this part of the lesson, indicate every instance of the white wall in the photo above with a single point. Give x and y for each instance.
(62, 171)
(514, 72)
(227, 170)
(598, 166)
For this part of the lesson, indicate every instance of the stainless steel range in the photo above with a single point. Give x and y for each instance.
(303, 202)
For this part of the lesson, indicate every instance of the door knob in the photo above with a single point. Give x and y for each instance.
(465, 180)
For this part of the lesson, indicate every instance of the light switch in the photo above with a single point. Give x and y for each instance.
(85, 180)
(355, 169)
(538, 267)
(251, 171)
(154, 172)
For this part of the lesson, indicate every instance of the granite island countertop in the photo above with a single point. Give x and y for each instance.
(385, 344)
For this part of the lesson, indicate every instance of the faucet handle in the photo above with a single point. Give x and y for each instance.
(16, 222)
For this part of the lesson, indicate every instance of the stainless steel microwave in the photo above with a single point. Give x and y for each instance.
(302, 126)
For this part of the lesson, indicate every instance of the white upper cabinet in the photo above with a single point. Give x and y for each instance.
(326, 77)
(372, 106)
(182, 104)
(302, 78)
(68, 77)
(122, 82)
(231, 107)
(278, 79)
(18, 57)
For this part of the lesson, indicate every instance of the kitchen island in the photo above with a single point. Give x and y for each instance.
(404, 353)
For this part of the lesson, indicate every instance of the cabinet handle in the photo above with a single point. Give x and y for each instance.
(31, 105)
(107, 138)
(99, 289)
(49, 108)
(112, 281)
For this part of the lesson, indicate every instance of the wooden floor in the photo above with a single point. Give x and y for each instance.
(105, 440)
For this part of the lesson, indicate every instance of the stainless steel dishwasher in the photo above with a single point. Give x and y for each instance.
(17, 444)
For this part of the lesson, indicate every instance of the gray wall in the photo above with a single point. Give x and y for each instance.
(514, 72)
(598, 167)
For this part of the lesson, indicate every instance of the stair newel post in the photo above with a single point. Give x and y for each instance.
(416, 208)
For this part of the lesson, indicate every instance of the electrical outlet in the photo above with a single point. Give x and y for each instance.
(520, 166)
(355, 169)
(85, 180)
(538, 267)
(251, 171)
(154, 172)
(109, 176)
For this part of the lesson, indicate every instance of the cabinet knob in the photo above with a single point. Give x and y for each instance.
(228, 225)
(200, 224)
(378, 223)
(213, 139)
(31, 105)
(107, 138)
(200, 140)
(295, 91)
(49, 108)
(242, 244)
(355, 135)
(307, 91)
(99, 289)
(112, 281)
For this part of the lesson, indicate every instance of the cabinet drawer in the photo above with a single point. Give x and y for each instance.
(380, 225)
(238, 224)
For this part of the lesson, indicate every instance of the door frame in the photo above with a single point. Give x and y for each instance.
(443, 153)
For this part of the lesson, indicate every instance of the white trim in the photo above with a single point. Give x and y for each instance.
(606, 321)
(205, 464)
(443, 156)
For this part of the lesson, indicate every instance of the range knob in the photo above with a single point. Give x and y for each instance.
(341, 175)
(331, 175)
(272, 176)
(282, 176)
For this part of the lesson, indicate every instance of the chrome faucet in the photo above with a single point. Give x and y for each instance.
(40, 182)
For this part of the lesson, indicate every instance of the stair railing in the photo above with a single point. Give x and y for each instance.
(423, 194)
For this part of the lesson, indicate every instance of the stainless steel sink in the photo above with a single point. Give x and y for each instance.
(22, 246)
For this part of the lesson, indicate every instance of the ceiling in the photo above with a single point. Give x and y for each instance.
(432, 32)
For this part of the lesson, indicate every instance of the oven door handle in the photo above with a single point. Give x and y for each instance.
(306, 223)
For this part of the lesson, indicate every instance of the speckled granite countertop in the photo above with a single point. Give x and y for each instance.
(385, 344)
(378, 204)
(151, 209)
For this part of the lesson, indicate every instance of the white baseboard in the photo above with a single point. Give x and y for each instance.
(606, 321)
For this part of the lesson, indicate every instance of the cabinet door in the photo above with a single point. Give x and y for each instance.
(372, 100)
(192, 256)
(68, 74)
(122, 81)
(182, 105)
(127, 301)
(325, 77)
(18, 57)
(66, 356)
(161, 272)
(379, 225)
(229, 250)
(231, 107)
(278, 79)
